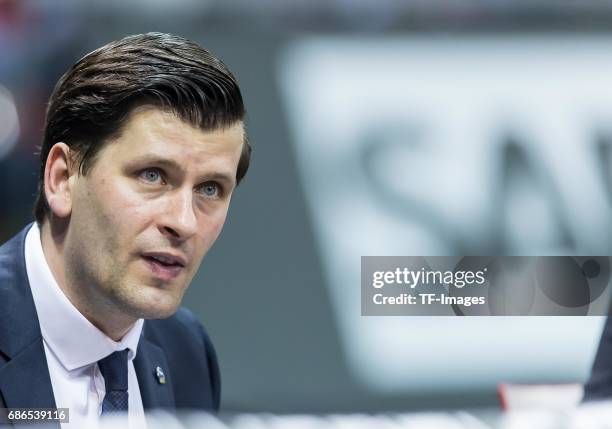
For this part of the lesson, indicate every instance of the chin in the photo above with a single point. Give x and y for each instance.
(158, 313)
(151, 307)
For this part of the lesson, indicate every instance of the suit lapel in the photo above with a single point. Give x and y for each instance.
(25, 381)
(153, 392)
(24, 378)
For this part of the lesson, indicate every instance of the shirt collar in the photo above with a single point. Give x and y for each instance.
(72, 338)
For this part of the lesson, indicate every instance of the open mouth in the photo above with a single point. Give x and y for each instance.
(164, 266)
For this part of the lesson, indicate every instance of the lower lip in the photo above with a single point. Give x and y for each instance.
(163, 272)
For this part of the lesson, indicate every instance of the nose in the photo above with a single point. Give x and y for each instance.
(179, 220)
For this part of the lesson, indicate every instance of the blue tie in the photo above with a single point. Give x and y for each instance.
(114, 370)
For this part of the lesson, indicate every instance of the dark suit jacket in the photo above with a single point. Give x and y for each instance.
(599, 385)
(179, 345)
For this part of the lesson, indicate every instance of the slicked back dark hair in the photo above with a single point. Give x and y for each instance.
(93, 99)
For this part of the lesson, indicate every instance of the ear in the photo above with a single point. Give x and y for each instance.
(58, 170)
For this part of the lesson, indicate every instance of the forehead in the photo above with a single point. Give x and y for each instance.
(153, 132)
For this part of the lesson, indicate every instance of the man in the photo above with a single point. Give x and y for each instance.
(144, 144)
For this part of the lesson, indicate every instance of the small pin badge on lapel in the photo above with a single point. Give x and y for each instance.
(161, 377)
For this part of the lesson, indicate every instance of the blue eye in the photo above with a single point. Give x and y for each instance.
(150, 175)
(210, 189)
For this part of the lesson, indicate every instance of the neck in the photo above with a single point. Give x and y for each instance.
(89, 301)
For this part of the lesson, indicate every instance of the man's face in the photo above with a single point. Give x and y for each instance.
(148, 210)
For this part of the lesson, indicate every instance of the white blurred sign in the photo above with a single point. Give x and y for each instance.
(454, 146)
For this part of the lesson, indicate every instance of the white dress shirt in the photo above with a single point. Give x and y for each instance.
(73, 346)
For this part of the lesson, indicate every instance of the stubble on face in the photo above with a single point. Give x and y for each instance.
(118, 216)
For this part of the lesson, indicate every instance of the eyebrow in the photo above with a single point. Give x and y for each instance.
(172, 164)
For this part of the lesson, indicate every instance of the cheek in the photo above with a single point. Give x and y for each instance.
(211, 227)
(109, 214)
(121, 205)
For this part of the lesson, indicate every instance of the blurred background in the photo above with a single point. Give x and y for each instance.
(379, 127)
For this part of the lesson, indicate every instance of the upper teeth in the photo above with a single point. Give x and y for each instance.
(164, 259)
